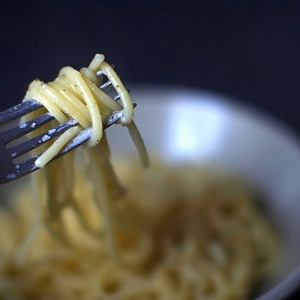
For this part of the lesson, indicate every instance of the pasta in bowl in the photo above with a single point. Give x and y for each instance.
(204, 128)
(188, 226)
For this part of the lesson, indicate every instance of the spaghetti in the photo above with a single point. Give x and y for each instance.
(176, 233)
(76, 95)
(179, 233)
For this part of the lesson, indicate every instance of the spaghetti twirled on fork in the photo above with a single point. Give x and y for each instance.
(76, 95)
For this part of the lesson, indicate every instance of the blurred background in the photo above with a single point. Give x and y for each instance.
(248, 50)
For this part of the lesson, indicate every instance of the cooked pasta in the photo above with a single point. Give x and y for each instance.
(173, 233)
(179, 233)
(76, 95)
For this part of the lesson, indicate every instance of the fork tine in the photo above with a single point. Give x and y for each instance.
(16, 170)
(86, 133)
(20, 169)
(28, 166)
(76, 141)
(37, 141)
(18, 111)
(26, 127)
(118, 97)
(105, 85)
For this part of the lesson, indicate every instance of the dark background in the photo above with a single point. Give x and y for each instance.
(246, 49)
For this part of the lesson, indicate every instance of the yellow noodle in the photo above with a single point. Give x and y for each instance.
(199, 235)
(173, 233)
(76, 95)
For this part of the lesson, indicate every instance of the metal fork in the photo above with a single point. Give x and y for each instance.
(11, 170)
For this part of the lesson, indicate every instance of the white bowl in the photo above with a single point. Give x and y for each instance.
(183, 124)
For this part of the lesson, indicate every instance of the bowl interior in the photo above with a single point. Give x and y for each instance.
(183, 125)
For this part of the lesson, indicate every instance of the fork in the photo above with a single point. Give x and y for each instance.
(11, 170)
